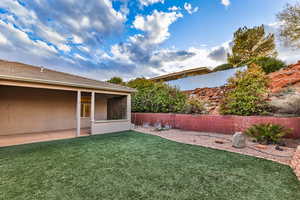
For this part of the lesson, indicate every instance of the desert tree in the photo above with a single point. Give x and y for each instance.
(290, 25)
(251, 43)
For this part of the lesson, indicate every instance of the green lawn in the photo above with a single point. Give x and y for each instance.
(132, 165)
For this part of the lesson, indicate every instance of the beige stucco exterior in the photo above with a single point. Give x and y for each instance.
(28, 110)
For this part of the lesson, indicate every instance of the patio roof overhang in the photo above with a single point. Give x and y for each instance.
(61, 83)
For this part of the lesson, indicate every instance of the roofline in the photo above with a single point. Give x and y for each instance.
(180, 73)
(61, 83)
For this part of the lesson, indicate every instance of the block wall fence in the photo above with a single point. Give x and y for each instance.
(215, 123)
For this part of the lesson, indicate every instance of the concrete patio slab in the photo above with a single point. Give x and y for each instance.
(10, 140)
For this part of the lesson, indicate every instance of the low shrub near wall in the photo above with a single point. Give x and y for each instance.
(228, 124)
(156, 97)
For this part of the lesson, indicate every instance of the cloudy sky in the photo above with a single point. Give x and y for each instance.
(129, 38)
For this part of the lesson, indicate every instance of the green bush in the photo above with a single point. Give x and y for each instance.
(195, 106)
(223, 67)
(267, 133)
(116, 80)
(156, 97)
(247, 93)
(269, 64)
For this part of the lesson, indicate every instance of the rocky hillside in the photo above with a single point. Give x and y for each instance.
(212, 96)
(286, 78)
(284, 92)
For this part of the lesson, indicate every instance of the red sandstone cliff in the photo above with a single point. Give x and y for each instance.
(287, 78)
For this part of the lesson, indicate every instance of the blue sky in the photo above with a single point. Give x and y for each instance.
(130, 38)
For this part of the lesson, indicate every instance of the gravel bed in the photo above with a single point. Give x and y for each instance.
(223, 142)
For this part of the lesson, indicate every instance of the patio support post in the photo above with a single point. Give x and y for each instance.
(78, 114)
(129, 108)
(92, 111)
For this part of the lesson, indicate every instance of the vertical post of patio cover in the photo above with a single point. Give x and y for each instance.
(78, 113)
(92, 111)
(129, 108)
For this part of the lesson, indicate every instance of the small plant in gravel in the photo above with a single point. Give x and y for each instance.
(267, 133)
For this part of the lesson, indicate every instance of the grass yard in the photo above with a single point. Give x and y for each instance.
(132, 165)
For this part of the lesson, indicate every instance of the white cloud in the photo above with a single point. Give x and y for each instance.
(21, 41)
(84, 48)
(44, 46)
(155, 26)
(24, 15)
(76, 55)
(77, 39)
(120, 54)
(188, 7)
(56, 21)
(225, 2)
(201, 58)
(64, 47)
(150, 2)
(174, 8)
(3, 39)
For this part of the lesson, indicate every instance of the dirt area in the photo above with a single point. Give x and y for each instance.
(224, 142)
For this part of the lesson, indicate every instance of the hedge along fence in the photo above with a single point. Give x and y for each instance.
(215, 123)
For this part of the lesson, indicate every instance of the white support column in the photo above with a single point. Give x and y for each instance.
(78, 113)
(92, 111)
(129, 107)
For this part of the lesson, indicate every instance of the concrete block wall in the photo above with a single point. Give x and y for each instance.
(215, 123)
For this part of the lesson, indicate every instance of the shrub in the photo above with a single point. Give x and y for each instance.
(223, 67)
(116, 80)
(269, 64)
(156, 97)
(267, 133)
(247, 93)
(194, 106)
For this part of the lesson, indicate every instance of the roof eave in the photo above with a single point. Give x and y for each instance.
(61, 83)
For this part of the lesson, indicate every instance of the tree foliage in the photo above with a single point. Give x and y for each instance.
(290, 25)
(223, 67)
(116, 80)
(269, 64)
(250, 43)
(156, 97)
(247, 93)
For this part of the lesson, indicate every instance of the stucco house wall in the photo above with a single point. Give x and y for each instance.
(100, 111)
(28, 110)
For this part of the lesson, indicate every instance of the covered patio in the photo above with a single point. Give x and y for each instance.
(36, 115)
(38, 104)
